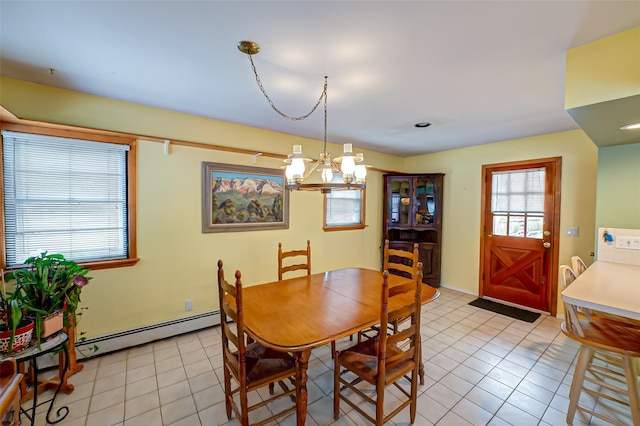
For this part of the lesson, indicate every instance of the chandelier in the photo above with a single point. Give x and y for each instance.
(349, 166)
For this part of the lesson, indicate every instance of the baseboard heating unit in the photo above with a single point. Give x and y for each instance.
(139, 336)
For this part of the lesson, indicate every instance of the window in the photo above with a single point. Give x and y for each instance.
(344, 209)
(68, 195)
(517, 202)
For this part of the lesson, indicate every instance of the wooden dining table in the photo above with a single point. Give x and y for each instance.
(298, 314)
(608, 287)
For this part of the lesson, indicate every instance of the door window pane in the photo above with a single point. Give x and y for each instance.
(500, 225)
(534, 226)
(516, 226)
(518, 191)
(517, 202)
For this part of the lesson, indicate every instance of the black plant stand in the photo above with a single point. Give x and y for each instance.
(57, 343)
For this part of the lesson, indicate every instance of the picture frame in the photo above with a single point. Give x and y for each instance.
(243, 198)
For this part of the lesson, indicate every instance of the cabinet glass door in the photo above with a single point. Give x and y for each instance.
(425, 201)
(399, 202)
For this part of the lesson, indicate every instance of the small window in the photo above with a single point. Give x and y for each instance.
(344, 209)
(66, 195)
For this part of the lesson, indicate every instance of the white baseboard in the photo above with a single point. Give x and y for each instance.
(141, 335)
(461, 290)
(138, 336)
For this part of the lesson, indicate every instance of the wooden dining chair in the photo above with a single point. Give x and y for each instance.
(386, 359)
(282, 269)
(577, 265)
(397, 262)
(608, 362)
(400, 262)
(289, 267)
(250, 365)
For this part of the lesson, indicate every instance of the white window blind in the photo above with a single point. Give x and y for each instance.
(518, 191)
(343, 207)
(64, 195)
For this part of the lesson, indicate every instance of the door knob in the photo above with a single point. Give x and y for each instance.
(546, 244)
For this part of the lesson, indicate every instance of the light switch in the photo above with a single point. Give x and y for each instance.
(571, 232)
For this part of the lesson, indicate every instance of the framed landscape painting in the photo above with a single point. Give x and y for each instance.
(243, 198)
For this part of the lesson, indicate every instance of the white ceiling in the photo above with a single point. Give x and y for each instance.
(479, 71)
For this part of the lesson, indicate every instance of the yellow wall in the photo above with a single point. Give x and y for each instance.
(603, 70)
(178, 262)
(462, 186)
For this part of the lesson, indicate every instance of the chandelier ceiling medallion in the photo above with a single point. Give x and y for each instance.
(350, 166)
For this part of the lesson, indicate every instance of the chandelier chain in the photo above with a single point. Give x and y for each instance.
(302, 117)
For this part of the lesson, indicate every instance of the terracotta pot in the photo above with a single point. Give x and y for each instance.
(21, 339)
(51, 324)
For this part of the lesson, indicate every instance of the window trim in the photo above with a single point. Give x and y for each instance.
(66, 131)
(361, 225)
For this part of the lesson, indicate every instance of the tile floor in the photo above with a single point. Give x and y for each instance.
(482, 368)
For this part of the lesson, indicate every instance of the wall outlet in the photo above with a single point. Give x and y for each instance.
(629, 243)
(188, 306)
(572, 232)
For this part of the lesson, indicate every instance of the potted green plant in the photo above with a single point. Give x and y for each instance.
(15, 330)
(48, 284)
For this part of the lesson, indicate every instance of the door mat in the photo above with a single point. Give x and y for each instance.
(510, 311)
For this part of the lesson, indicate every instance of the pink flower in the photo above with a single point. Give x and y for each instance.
(80, 280)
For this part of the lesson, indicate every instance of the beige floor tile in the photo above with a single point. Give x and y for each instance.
(107, 417)
(141, 387)
(452, 419)
(166, 351)
(108, 370)
(198, 367)
(174, 392)
(141, 373)
(472, 413)
(527, 404)
(196, 355)
(481, 368)
(142, 404)
(203, 381)
(140, 361)
(150, 418)
(168, 364)
(516, 416)
(107, 399)
(192, 420)
(170, 377)
(178, 410)
(108, 383)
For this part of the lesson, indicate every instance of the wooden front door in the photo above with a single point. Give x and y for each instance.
(520, 232)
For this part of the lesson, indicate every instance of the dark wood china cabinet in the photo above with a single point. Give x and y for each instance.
(413, 214)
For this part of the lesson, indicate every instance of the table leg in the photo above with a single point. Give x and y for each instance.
(301, 387)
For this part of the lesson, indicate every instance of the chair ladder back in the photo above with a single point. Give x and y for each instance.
(397, 355)
(282, 255)
(400, 260)
(571, 317)
(247, 365)
(578, 265)
(384, 320)
(228, 294)
(395, 346)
